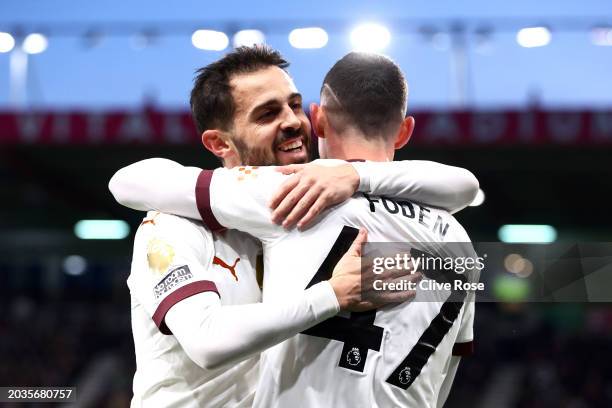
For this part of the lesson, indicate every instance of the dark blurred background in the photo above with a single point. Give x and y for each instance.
(530, 114)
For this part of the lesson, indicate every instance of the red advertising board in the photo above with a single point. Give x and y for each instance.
(534, 127)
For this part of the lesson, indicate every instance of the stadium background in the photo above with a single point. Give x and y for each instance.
(534, 125)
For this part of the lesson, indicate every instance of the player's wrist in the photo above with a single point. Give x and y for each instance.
(346, 290)
(362, 178)
(353, 177)
(323, 300)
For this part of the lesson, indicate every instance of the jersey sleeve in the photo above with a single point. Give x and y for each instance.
(172, 261)
(447, 187)
(214, 335)
(238, 199)
(464, 344)
(157, 184)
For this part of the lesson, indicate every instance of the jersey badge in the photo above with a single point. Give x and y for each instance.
(405, 376)
(160, 255)
(353, 357)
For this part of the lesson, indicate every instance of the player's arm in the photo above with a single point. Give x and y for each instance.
(447, 187)
(317, 185)
(214, 335)
(157, 184)
(225, 198)
(172, 278)
(167, 186)
(180, 294)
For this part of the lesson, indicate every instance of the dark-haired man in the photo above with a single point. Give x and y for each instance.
(267, 107)
(236, 102)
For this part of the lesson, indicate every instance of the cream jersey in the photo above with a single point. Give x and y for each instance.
(175, 258)
(167, 186)
(197, 322)
(397, 356)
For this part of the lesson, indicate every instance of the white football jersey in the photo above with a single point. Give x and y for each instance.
(396, 357)
(175, 258)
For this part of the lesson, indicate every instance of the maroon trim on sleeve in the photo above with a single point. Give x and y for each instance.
(463, 349)
(202, 192)
(181, 293)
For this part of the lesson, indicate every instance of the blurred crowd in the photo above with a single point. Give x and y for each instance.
(77, 344)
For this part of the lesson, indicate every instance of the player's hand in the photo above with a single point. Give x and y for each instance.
(371, 295)
(310, 190)
(347, 281)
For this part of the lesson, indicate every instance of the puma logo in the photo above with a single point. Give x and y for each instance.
(232, 269)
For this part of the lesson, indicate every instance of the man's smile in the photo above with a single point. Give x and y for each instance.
(292, 145)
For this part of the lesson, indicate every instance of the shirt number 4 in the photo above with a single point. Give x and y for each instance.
(359, 334)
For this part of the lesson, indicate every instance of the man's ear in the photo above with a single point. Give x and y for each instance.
(318, 120)
(214, 141)
(404, 133)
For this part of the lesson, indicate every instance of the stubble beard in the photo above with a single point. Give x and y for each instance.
(265, 156)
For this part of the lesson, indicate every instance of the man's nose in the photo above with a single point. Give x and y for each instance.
(291, 120)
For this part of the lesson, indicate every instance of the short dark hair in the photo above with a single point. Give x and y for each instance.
(212, 104)
(367, 91)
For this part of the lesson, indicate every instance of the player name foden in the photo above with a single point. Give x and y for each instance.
(410, 211)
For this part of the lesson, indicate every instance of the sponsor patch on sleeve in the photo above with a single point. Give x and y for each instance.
(173, 279)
